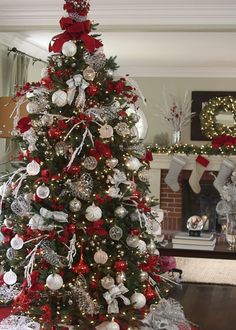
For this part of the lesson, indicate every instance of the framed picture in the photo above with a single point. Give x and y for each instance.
(199, 100)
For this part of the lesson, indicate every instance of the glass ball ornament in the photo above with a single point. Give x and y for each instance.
(144, 176)
(69, 48)
(10, 277)
(61, 148)
(142, 246)
(112, 162)
(107, 282)
(89, 73)
(54, 282)
(93, 213)
(138, 300)
(100, 257)
(120, 212)
(47, 120)
(9, 223)
(143, 276)
(33, 168)
(32, 107)
(59, 98)
(133, 164)
(90, 163)
(112, 326)
(11, 253)
(120, 277)
(17, 242)
(132, 241)
(106, 131)
(42, 192)
(116, 233)
(75, 205)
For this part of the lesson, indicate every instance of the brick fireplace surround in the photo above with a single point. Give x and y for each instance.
(171, 201)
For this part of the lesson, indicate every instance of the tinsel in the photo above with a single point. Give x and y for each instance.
(15, 322)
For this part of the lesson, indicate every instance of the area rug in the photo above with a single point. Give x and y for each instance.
(201, 270)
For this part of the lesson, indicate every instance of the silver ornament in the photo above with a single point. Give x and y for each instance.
(8, 222)
(133, 164)
(122, 129)
(116, 233)
(107, 282)
(132, 241)
(61, 148)
(151, 247)
(106, 131)
(42, 191)
(90, 163)
(120, 212)
(75, 205)
(83, 187)
(112, 162)
(11, 253)
(89, 74)
(143, 276)
(97, 60)
(144, 176)
(70, 302)
(47, 120)
(120, 277)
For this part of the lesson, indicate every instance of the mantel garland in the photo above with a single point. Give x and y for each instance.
(209, 125)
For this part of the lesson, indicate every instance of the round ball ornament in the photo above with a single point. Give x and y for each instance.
(54, 133)
(54, 282)
(32, 107)
(33, 168)
(47, 120)
(144, 176)
(10, 277)
(151, 247)
(17, 242)
(89, 73)
(120, 265)
(142, 246)
(93, 213)
(90, 163)
(11, 253)
(150, 293)
(59, 98)
(75, 205)
(61, 148)
(69, 48)
(132, 241)
(133, 164)
(9, 223)
(138, 300)
(112, 326)
(120, 212)
(143, 276)
(112, 162)
(106, 131)
(107, 282)
(116, 233)
(42, 192)
(100, 257)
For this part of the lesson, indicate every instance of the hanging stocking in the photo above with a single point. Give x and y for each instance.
(177, 163)
(200, 167)
(226, 168)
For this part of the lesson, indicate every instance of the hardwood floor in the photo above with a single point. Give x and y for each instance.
(212, 307)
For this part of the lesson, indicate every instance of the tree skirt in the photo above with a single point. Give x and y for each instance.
(202, 270)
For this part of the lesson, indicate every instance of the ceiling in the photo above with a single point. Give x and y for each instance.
(169, 38)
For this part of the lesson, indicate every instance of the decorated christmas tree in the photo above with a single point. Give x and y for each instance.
(78, 223)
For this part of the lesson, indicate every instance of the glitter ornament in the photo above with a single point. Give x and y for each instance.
(112, 326)
(10, 277)
(144, 176)
(93, 213)
(90, 163)
(89, 74)
(120, 277)
(132, 241)
(32, 107)
(54, 282)
(107, 282)
(43, 192)
(59, 98)
(96, 60)
(61, 148)
(47, 120)
(100, 257)
(69, 48)
(106, 131)
(33, 168)
(83, 187)
(116, 233)
(75, 205)
(133, 164)
(120, 212)
(17, 242)
(142, 246)
(11, 253)
(143, 276)
(112, 162)
(138, 300)
(122, 129)
(150, 293)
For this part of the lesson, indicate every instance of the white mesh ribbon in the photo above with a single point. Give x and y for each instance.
(73, 83)
(15, 322)
(168, 314)
(58, 216)
(117, 291)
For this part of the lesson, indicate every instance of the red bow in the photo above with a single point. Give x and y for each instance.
(96, 228)
(74, 31)
(101, 149)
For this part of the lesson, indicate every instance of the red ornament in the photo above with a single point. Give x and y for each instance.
(135, 232)
(72, 228)
(6, 231)
(92, 90)
(81, 267)
(24, 124)
(7, 240)
(73, 169)
(93, 284)
(54, 133)
(120, 265)
(149, 293)
(47, 82)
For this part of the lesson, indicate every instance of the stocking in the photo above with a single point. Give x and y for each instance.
(200, 166)
(177, 163)
(226, 168)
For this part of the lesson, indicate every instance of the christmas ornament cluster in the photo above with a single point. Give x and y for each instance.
(78, 222)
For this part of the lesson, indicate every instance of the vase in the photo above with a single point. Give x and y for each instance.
(176, 136)
(230, 231)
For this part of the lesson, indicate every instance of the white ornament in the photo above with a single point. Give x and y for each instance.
(10, 277)
(43, 192)
(133, 164)
(120, 212)
(100, 257)
(44, 72)
(89, 73)
(69, 48)
(32, 107)
(47, 120)
(75, 205)
(90, 163)
(54, 282)
(112, 162)
(93, 213)
(107, 282)
(138, 300)
(132, 241)
(106, 131)
(116, 233)
(17, 243)
(11, 253)
(142, 246)
(33, 168)
(59, 98)
(5, 190)
(108, 326)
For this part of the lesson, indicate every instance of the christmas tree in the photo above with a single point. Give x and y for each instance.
(78, 223)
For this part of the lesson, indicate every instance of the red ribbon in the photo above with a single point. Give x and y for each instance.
(96, 228)
(101, 149)
(202, 160)
(74, 31)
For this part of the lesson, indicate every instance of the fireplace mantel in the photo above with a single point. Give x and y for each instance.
(162, 161)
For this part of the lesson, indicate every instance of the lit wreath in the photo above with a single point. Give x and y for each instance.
(209, 125)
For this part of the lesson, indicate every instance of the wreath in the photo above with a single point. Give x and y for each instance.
(209, 125)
